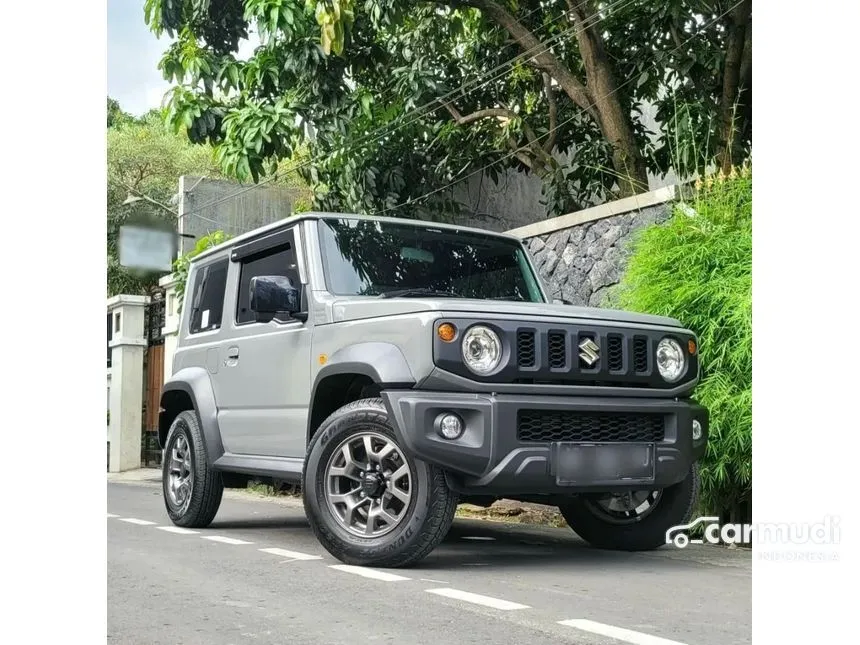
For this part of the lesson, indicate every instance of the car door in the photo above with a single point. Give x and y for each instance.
(262, 386)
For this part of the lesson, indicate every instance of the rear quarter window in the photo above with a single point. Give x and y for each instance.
(207, 297)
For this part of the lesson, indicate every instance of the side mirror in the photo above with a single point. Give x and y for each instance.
(272, 295)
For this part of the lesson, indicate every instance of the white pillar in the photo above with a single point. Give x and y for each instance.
(126, 383)
(170, 331)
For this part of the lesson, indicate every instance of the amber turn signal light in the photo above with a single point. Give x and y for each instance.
(446, 332)
(691, 346)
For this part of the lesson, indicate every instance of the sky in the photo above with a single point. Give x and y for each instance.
(133, 53)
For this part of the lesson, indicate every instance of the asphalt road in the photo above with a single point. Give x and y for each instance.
(258, 575)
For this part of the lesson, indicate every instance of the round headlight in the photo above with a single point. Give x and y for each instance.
(670, 359)
(482, 350)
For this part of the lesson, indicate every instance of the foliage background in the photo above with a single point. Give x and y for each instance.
(144, 158)
(697, 267)
(355, 73)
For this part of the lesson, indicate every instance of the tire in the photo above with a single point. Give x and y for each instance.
(185, 440)
(422, 522)
(640, 533)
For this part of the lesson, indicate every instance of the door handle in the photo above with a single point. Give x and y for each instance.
(233, 353)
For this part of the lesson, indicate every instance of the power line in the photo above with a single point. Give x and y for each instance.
(417, 113)
(521, 148)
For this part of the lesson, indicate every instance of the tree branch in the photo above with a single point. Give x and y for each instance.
(538, 52)
(499, 113)
(553, 113)
(502, 113)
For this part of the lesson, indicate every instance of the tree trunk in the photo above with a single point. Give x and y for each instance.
(599, 98)
(738, 67)
(615, 120)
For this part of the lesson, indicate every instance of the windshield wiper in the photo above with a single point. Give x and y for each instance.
(418, 292)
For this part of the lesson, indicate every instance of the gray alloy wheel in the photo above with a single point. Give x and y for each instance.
(368, 484)
(180, 478)
(368, 500)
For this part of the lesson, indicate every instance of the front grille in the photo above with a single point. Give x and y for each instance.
(557, 349)
(575, 354)
(549, 426)
(526, 348)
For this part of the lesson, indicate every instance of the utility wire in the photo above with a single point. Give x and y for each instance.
(390, 128)
(521, 148)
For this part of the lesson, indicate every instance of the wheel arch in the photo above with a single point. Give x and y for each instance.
(191, 389)
(359, 371)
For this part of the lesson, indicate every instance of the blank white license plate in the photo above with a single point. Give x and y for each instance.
(603, 463)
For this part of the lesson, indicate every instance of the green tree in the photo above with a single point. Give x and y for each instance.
(115, 114)
(145, 160)
(380, 60)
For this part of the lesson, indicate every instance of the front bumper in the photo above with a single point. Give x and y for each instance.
(490, 458)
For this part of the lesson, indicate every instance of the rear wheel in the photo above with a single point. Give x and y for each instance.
(369, 502)
(632, 521)
(192, 490)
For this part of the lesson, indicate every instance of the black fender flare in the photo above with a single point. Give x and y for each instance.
(195, 382)
(383, 363)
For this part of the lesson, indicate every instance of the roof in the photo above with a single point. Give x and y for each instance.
(314, 215)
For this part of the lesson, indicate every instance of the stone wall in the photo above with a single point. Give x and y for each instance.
(582, 255)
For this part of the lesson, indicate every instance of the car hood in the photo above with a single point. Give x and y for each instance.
(358, 308)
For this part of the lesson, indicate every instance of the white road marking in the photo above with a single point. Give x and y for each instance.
(292, 555)
(487, 601)
(482, 538)
(368, 573)
(110, 515)
(177, 529)
(133, 520)
(438, 582)
(618, 633)
(224, 540)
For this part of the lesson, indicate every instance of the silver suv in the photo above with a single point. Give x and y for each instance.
(395, 368)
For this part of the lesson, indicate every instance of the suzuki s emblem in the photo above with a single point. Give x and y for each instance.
(590, 351)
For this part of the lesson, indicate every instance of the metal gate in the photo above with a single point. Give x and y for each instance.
(150, 453)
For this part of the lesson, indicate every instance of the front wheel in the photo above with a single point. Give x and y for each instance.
(368, 502)
(632, 521)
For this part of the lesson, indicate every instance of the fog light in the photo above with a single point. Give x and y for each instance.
(449, 426)
(697, 430)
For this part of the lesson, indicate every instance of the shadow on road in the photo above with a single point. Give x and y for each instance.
(499, 545)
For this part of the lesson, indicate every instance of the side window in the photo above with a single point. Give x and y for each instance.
(207, 300)
(280, 260)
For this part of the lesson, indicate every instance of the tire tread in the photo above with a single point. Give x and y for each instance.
(208, 485)
(440, 512)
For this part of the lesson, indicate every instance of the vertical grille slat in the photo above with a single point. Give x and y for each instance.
(615, 352)
(526, 348)
(557, 349)
(640, 354)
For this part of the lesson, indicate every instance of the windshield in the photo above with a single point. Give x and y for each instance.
(372, 258)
